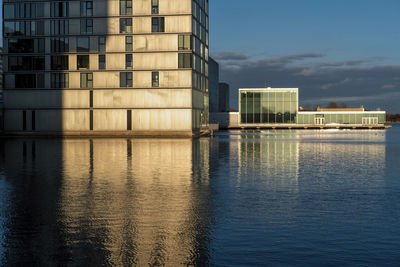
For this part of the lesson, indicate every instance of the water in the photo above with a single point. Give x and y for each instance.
(284, 198)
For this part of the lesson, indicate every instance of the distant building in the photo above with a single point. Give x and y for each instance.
(214, 85)
(274, 106)
(223, 97)
(106, 67)
(1, 74)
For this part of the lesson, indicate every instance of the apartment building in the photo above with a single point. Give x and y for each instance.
(114, 67)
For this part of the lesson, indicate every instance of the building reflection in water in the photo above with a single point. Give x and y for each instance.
(106, 202)
(180, 202)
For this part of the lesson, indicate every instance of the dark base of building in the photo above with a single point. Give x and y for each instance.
(179, 134)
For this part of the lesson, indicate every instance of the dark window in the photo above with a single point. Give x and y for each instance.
(91, 120)
(154, 7)
(184, 60)
(26, 45)
(59, 45)
(129, 120)
(128, 43)
(184, 42)
(126, 79)
(128, 61)
(27, 80)
(125, 7)
(125, 25)
(59, 80)
(86, 8)
(82, 44)
(86, 80)
(59, 9)
(24, 120)
(155, 79)
(83, 62)
(86, 26)
(157, 24)
(59, 27)
(33, 120)
(59, 62)
(25, 63)
(102, 44)
(91, 98)
(102, 62)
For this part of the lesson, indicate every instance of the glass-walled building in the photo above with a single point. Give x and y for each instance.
(273, 106)
(268, 105)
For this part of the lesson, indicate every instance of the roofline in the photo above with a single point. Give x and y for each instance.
(266, 89)
(340, 112)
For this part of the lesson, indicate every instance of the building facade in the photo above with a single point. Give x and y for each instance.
(280, 106)
(223, 96)
(214, 85)
(106, 66)
(264, 106)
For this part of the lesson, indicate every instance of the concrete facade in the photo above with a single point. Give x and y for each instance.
(106, 67)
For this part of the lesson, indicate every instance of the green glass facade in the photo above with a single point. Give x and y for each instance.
(268, 106)
(341, 118)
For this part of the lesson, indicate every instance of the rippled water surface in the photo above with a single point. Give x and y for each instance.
(269, 198)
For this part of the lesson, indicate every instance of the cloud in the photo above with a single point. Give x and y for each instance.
(230, 56)
(355, 82)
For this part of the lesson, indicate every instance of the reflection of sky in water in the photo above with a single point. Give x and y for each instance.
(4, 199)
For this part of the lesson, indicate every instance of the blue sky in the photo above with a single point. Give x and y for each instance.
(346, 51)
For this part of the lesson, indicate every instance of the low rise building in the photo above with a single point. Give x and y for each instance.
(260, 107)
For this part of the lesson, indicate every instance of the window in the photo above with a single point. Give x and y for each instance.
(157, 24)
(155, 78)
(86, 80)
(86, 8)
(128, 61)
(126, 79)
(26, 45)
(28, 81)
(102, 44)
(59, 9)
(129, 120)
(59, 27)
(86, 26)
(24, 120)
(125, 25)
(59, 62)
(82, 44)
(33, 115)
(25, 63)
(59, 45)
(184, 42)
(59, 80)
(9, 11)
(128, 43)
(83, 62)
(91, 98)
(154, 7)
(125, 7)
(184, 60)
(102, 62)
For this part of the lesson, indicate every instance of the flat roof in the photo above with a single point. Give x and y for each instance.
(269, 89)
(340, 112)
